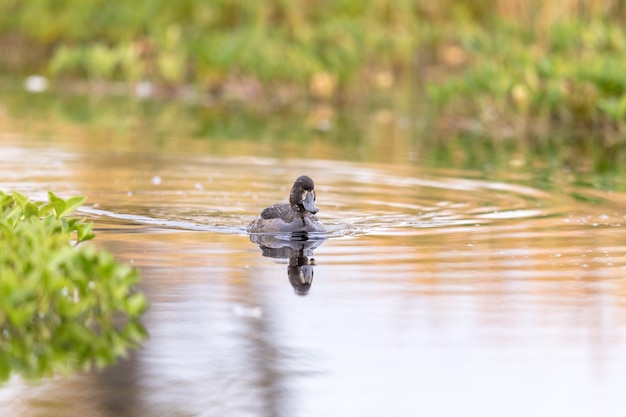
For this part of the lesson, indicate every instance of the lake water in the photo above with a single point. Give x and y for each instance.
(437, 292)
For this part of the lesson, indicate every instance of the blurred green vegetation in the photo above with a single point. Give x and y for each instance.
(62, 308)
(546, 73)
(516, 83)
(205, 42)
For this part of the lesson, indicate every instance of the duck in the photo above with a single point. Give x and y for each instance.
(297, 216)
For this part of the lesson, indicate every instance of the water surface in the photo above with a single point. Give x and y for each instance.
(436, 292)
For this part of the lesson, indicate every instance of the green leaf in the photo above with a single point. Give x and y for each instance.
(28, 208)
(83, 231)
(55, 204)
(136, 304)
(6, 231)
(72, 204)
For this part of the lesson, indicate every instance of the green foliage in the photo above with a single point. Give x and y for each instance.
(568, 78)
(204, 42)
(62, 308)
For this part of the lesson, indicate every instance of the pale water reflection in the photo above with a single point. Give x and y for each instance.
(297, 248)
(435, 293)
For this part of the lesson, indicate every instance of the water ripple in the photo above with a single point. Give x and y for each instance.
(223, 194)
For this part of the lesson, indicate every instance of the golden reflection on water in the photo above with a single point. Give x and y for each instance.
(429, 287)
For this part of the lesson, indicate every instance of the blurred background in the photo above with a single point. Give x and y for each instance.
(477, 84)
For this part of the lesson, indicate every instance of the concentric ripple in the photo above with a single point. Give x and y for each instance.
(223, 195)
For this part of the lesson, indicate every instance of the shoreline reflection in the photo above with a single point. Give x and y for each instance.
(298, 247)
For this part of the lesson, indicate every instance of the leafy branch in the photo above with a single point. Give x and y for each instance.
(63, 308)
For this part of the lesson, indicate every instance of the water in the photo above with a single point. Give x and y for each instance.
(435, 292)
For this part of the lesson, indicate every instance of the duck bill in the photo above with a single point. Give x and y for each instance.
(309, 203)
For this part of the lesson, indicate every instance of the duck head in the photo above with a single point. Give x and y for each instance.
(302, 196)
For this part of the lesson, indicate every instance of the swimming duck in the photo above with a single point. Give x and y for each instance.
(297, 216)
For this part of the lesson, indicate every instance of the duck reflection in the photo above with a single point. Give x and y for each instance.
(298, 248)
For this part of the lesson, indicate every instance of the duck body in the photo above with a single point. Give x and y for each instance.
(297, 216)
(281, 218)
